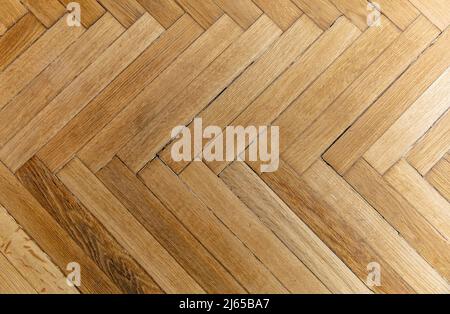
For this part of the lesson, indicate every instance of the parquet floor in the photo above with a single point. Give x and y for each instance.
(87, 177)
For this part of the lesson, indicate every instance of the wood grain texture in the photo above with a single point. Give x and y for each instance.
(206, 12)
(127, 12)
(323, 12)
(46, 11)
(10, 12)
(166, 12)
(438, 11)
(244, 12)
(91, 11)
(283, 12)
(401, 12)
(439, 177)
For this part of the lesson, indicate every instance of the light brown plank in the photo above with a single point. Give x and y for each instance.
(401, 12)
(166, 12)
(10, 12)
(439, 177)
(47, 11)
(69, 102)
(11, 281)
(91, 11)
(355, 10)
(119, 222)
(323, 12)
(244, 12)
(204, 12)
(283, 12)
(127, 12)
(438, 11)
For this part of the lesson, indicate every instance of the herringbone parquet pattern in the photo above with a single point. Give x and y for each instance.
(87, 176)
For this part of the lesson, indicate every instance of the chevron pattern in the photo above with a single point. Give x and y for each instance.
(89, 188)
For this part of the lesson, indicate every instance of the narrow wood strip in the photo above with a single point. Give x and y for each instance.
(312, 143)
(253, 81)
(127, 12)
(355, 10)
(295, 80)
(439, 177)
(204, 12)
(167, 229)
(294, 233)
(91, 11)
(41, 226)
(416, 230)
(69, 102)
(411, 126)
(432, 147)
(408, 182)
(283, 12)
(11, 281)
(438, 11)
(119, 221)
(401, 12)
(156, 96)
(166, 12)
(85, 229)
(117, 95)
(244, 12)
(3, 29)
(323, 12)
(144, 146)
(234, 214)
(26, 256)
(47, 11)
(369, 127)
(217, 238)
(10, 12)
(36, 58)
(18, 38)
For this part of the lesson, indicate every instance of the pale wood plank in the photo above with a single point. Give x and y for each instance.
(102, 148)
(119, 93)
(127, 12)
(18, 38)
(146, 250)
(166, 12)
(204, 12)
(244, 12)
(283, 12)
(47, 11)
(11, 281)
(91, 11)
(26, 256)
(368, 128)
(438, 11)
(234, 214)
(69, 102)
(41, 227)
(10, 12)
(294, 233)
(217, 238)
(355, 10)
(167, 229)
(85, 229)
(401, 12)
(411, 126)
(323, 12)
(217, 76)
(253, 81)
(56, 76)
(361, 94)
(439, 177)
(36, 58)
(408, 182)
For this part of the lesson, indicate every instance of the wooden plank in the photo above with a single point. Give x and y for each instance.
(411, 126)
(41, 227)
(69, 102)
(85, 229)
(167, 229)
(18, 38)
(370, 126)
(127, 12)
(217, 238)
(401, 12)
(91, 11)
(119, 222)
(283, 12)
(117, 95)
(296, 79)
(102, 148)
(342, 73)
(204, 12)
(10, 12)
(408, 182)
(36, 58)
(166, 12)
(47, 11)
(3, 29)
(245, 224)
(244, 12)
(320, 135)
(416, 230)
(291, 230)
(56, 76)
(323, 12)
(11, 281)
(355, 10)
(253, 81)
(438, 11)
(432, 147)
(31, 262)
(245, 50)
(439, 177)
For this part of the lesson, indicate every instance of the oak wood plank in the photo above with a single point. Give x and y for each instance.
(283, 12)
(204, 12)
(323, 12)
(166, 12)
(47, 11)
(127, 12)
(438, 11)
(11, 281)
(244, 12)
(91, 11)
(355, 10)
(10, 12)
(401, 12)
(439, 177)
